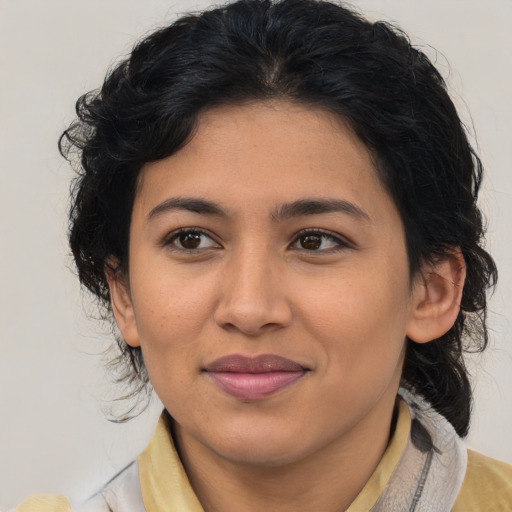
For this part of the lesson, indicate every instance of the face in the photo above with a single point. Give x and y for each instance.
(268, 284)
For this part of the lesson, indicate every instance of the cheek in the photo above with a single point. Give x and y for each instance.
(367, 297)
(360, 320)
(171, 316)
(169, 305)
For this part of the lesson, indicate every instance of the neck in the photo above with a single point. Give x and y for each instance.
(328, 479)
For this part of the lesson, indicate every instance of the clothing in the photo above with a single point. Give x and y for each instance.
(425, 468)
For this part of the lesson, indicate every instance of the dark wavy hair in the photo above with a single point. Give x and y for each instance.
(319, 54)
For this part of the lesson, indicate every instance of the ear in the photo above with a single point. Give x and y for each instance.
(122, 306)
(436, 297)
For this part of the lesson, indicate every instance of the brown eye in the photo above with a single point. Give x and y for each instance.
(190, 240)
(311, 242)
(319, 241)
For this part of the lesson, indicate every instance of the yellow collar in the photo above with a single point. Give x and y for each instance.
(163, 481)
(165, 486)
(374, 487)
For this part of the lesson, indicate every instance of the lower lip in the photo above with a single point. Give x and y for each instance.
(254, 386)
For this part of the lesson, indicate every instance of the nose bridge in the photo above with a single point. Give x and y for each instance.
(253, 269)
(252, 295)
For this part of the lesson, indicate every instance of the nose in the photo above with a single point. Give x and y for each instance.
(253, 297)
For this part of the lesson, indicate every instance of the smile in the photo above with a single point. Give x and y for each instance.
(248, 378)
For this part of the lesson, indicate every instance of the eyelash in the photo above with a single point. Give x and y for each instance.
(341, 244)
(169, 240)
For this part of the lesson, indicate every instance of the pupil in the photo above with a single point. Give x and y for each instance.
(190, 240)
(311, 242)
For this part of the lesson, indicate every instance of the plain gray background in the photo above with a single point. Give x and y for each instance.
(53, 435)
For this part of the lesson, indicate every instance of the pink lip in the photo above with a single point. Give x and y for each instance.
(253, 378)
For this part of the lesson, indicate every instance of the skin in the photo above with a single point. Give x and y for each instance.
(339, 303)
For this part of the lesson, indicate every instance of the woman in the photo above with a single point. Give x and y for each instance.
(277, 202)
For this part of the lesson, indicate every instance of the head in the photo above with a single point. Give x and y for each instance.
(316, 56)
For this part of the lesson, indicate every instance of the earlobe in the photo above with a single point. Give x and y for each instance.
(436, 297)
(122, 306)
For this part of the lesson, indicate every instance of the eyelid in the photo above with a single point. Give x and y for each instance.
(168, 239)
(342, 241)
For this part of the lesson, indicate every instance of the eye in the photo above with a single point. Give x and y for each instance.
(190, 240)
(318, 241)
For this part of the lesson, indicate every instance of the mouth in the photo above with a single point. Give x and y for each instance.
(254, 378)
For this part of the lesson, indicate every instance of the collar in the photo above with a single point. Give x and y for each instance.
(163, 481)
(380, 477)
(165, 486)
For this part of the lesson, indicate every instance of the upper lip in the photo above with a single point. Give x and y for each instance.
(264, 363)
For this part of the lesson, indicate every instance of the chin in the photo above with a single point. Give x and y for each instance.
(257, 456)
(265, 447)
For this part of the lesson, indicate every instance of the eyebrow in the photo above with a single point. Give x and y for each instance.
(190, 204)
(304, 207)
(299, 208)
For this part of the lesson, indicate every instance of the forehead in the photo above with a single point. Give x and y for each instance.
(266, 154)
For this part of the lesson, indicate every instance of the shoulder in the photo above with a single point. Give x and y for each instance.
(122, 493)
(58, 503)
(44, 503)
(487, 485)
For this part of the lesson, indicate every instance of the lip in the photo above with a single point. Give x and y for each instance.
(254, 378)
